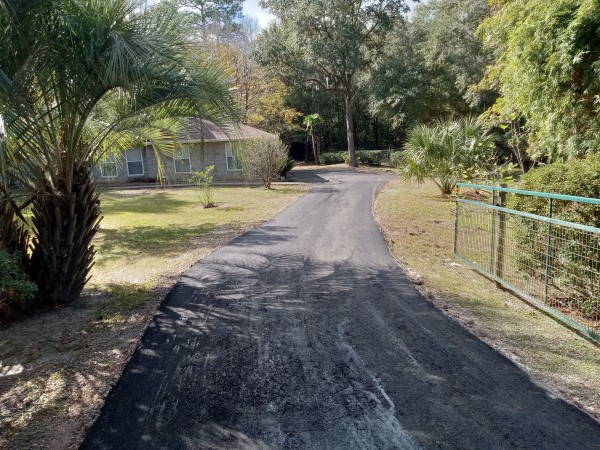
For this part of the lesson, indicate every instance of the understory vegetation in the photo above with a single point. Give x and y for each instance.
(366, 157)
(577, 254)
(16, 291)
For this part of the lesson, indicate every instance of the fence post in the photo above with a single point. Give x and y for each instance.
(501, 237)
(493, 240)
(455, 243)
(548, 252)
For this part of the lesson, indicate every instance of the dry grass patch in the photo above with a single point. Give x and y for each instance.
(57, 367)
(418, 225)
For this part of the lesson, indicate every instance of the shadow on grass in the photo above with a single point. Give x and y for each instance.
(134, 202)
(224, 207)
(149, 240)
(122, 298)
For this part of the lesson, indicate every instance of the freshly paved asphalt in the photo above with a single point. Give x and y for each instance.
(304, 334)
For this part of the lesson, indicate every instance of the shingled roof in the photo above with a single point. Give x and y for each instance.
(198, 130)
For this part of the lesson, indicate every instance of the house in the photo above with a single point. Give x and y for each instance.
(202, 144)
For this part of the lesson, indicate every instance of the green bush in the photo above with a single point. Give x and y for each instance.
(370, 157)
(332, 158)
(287, 166)
(16, 291)
(396, 159)
(448, 151)
(575, 258)
(580, 177)
(203, 181)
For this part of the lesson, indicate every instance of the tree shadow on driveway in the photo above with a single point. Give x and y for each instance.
(284, 351)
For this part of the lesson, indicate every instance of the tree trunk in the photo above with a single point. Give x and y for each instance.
(65, 222)
(350, 130)
(314, 147)
(318, 150)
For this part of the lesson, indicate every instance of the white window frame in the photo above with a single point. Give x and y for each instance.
(229, 154)
(141, 159)
(189, 158)
(110, 159)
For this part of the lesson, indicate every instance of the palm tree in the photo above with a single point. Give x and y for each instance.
(310, 122)
(78, 79)
(446, 152)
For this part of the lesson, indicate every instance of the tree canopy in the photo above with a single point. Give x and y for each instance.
(211, 12)
(329, 44)
(548, 71)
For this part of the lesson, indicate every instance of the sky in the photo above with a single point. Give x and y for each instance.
(251, 9)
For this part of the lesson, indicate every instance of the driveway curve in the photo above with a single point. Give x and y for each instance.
(304, 334)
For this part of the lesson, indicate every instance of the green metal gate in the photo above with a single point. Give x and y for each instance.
(552, 263)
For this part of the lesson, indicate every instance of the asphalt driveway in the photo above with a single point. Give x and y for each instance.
(304, 334)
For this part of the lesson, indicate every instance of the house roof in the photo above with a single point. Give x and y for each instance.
(198, 130)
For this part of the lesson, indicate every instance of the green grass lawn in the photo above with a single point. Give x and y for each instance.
(418, 224)
(147, 234)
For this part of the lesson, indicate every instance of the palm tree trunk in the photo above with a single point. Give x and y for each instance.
(65, 222)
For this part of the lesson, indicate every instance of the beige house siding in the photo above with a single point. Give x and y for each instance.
(207, 143)
(201, 156)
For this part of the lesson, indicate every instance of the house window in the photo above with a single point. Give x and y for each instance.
(108, 167)
(182, 160)
(233, 162)
(135, 164)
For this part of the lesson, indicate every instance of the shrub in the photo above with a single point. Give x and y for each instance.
(287, 166)
(262, 159)
(332, 158)
(573, 269)
(448, 151)
(203, 181)
(396, 159)
(16, 291)
(370, 157)
(580, 177)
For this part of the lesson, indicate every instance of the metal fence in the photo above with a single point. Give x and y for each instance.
(552, 263)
